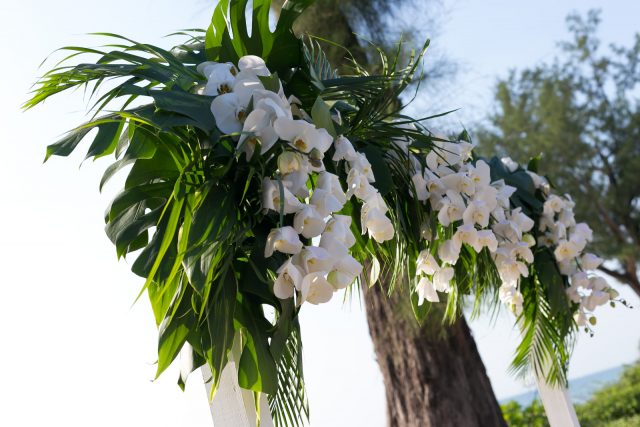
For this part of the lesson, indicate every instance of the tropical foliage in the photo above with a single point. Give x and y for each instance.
(240, 146)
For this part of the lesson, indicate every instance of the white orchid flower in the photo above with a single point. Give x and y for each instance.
(257, 127)
(523, 222)
(480, 174)
(459, 182)
(553, 204)
(245, 86)
(546, 223)
(272, 102)
(452, 208)
(255, 64)
(434, 183)
(209, 67)
(283, 240)
(377, 225)
(312, 259)
(325, 202)
(420, 185)
(259, 123)
(560, 232)
(566, 250)
(510, 296)
(358, 185)
(339, 228)
(375, 200)
(580, 279)
(449, 252)
(426, 290)
(309, 222)
(580, 318)
(510, 269)
(296, 183)
(504, 193)
(486, 239)
(507, 230)
(220, 77)
(426, 263)
(434, 159)
(567, 267)
(331, 183)
(466, 233)
(289, 162)
(597, 298)
(590, 261)
(597, 283)
(567, 218)
(316, 289)
(289, 278)
(303, 135)
(488, 195)
(344, 272)
(271, 197)
(229, 112)
(520, 250)
(343, 150)
(582, 231)
(573, 293)
(477, 212)
(362, 165)
(442, 279)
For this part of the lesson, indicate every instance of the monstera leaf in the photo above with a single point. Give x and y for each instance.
(228, 36)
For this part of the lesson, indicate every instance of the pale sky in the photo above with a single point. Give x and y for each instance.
(75, 351)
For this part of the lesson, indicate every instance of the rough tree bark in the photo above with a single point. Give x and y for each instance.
(433, 375)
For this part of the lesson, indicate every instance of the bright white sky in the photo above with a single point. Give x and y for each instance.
(75, 352)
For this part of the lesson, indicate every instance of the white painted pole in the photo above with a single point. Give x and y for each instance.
(233, 406)
(557, 405)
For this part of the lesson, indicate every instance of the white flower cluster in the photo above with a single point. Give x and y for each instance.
(568, 240)
(260, 116)
(463, 195)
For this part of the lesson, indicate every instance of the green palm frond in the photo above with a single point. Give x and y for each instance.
(546, 346)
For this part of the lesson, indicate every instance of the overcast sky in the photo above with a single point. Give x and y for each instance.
(74, 350)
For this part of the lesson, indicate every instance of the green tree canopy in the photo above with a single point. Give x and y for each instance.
(582, 111)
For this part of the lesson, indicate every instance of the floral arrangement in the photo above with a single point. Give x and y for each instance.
(260, 177)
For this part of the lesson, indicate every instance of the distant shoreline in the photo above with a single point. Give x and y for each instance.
(581, 388)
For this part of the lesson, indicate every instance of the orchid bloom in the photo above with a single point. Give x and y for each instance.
(313, 259)
(309, 222)
(289, 278)
(283, 240)
(426, 290)
(315, 289)
(302, 135)
(271, 197)
(229, 112)
(220, 77)
(426, 263)
(343, 150)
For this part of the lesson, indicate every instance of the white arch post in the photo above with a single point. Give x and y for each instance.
(233, 406)
(557, 405)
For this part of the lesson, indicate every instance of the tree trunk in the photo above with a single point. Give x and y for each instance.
(433, 375)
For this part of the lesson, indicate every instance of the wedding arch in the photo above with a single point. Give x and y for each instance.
(260, 180)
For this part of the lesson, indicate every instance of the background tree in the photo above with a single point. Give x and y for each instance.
(582, 107)
(433, 375)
